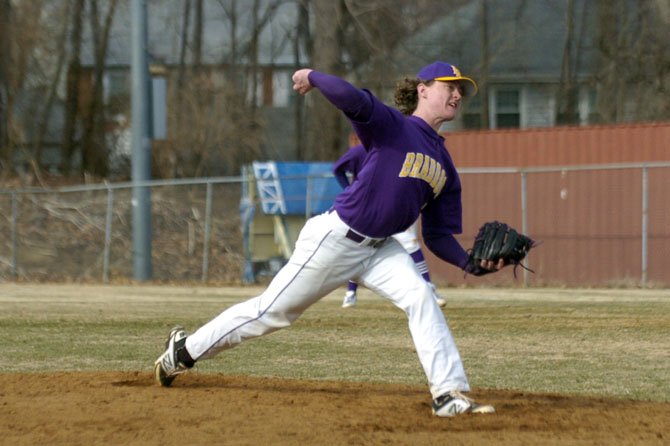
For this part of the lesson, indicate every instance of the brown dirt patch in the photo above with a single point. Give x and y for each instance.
(128, 408)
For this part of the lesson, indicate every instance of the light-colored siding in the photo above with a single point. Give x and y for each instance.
(537, 107)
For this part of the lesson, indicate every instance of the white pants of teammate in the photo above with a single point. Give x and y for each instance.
(323, 260)
(409, 239)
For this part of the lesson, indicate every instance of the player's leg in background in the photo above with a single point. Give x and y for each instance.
(350, 298)
(391, 273)
(420, 262)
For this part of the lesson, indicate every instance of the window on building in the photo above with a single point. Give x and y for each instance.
(507, 111)
(282, 88)
(272, 88)
(588, 110)
(116, 88)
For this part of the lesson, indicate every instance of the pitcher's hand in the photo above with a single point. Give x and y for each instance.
(301, 81)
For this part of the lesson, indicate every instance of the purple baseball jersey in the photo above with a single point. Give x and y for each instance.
(408, 171)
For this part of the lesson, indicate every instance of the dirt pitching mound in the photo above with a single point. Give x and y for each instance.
(129, 408)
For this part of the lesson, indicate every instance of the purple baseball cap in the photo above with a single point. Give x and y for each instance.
(443, 71)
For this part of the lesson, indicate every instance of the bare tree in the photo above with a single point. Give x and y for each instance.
(324, 122)
(356, 39)
(485, 64)
(197, 34)
(5, 61)
(186, 15)
(633, 69)
(567, 97)
(73, 83)
(184, 153)
(302, 43)
(231, 13)
(23, 40)
(654, 102)
(95, 157)
(212, 138)
(217, 124)
(43, 118)
(370, 32)
(220, 98)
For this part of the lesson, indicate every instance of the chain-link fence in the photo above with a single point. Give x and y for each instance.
(599, 225)
(85, 233)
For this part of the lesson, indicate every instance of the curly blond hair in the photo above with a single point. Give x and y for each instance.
(406, 97)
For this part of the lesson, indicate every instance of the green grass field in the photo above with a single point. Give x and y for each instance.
(575, 341)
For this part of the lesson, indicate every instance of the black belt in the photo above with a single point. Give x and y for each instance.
(364, 241)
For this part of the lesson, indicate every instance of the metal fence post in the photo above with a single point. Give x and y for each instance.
(15, 212)
(108, 235)
(141, 142)
(208, 223)
(645, 222)
(524, 219)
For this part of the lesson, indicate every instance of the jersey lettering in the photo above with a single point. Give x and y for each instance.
(431, 172)
(418, 162)
(407, 165)
(424, 169)
(418, 165)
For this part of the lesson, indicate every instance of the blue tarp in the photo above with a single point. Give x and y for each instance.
(284, 188)
(306, 187)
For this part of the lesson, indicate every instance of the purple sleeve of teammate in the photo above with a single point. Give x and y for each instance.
(341, 177)
(350, 162)
(340, 169)
(355, 103)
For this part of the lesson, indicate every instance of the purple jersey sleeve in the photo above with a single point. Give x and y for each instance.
(353, 102)
(447, 248)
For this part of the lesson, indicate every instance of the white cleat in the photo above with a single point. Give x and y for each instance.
(167, 366)
(455, 403)
(349, 299)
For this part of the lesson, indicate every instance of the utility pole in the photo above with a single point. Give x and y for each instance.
(141, 143)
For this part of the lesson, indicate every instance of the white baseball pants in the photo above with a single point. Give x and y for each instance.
(323, 260)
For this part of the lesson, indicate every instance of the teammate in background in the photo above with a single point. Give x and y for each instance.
(408, 172)
(345, 170)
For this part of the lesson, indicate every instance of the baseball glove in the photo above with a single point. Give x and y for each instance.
(496, 241)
